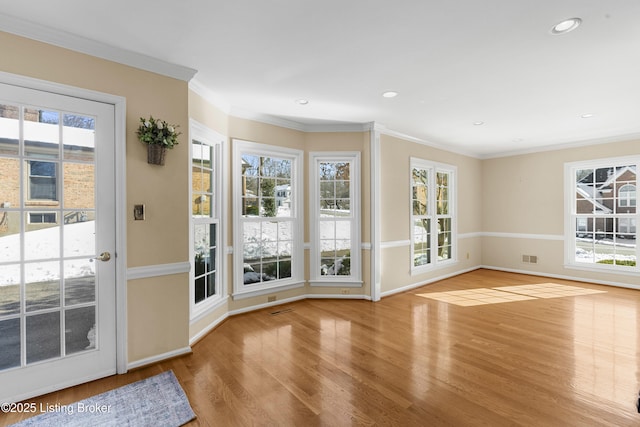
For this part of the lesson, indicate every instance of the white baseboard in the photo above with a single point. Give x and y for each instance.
(339, 296)
(562, 276)
(159, 358)
(211, 326)
(426, 282)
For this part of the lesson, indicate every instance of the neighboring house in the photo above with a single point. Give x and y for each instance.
(283, 196)
(48, 186)
(603, 192)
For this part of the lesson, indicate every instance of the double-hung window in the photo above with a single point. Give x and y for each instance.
(335, 219)
(206, 211)
(433, 219)
(601, 219)
(268, 218)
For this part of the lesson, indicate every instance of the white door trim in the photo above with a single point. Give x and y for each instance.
(119, 104)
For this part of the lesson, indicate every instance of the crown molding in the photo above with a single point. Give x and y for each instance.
(218, 101)
(389, 132)
(622, 137)
(301, 127)
(76, 43)
(338, 127)
(222, 104)
(267, 119)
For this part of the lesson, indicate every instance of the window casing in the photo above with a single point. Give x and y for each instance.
(207, 280)
(601, 215)
(433, 215)
(335, 219)
(268, 218)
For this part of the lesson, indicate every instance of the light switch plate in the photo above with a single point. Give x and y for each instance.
(138, 212)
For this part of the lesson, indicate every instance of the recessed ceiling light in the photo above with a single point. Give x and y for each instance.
(587, 116)
(302, 101)
(478, 123)
(566, 26)
(390, 94)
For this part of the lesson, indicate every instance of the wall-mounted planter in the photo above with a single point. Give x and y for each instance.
(159, 136)
(156, 154)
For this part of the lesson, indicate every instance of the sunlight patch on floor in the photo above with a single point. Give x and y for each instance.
(482, 296)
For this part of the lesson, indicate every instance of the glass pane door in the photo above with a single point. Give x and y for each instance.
(49, 298)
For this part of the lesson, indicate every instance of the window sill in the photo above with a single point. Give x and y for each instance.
(205, 308)
(415, 271)
(631, 271)
(263, 290)
(42, 203)
(336, 283)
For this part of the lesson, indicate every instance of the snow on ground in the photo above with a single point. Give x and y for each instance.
(45, 244)
(276, 237)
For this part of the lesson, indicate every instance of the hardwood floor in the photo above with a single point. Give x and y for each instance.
(410, 360)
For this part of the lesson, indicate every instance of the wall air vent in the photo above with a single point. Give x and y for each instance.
(530, 259)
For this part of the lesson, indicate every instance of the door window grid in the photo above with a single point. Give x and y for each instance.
(39, 300)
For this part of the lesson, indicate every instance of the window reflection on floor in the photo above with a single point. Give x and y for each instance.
(483, 296)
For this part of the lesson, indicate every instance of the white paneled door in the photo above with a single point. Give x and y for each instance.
(57, 241)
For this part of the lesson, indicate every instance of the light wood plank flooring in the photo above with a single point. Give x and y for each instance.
(412, 360)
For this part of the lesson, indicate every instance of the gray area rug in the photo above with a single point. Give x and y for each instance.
(156, 401)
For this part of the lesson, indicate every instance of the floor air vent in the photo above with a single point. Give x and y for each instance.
(284, 310)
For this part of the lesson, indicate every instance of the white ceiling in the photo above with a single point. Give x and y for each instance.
(453, 62)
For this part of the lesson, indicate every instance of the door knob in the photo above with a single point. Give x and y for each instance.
(104, 256)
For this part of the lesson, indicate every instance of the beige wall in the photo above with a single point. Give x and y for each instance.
(249, 130)
(518, 195)
(163, 237)
(207, 114)
(395, 214)
(345, 141)
(525, 195)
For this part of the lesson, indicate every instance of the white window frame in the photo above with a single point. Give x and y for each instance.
(432, 168)
(355, 278)
(205, 135)
(240, 290)
(571, 217)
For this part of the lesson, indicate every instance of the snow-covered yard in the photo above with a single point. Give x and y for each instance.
(589, 251)
(43, 245)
